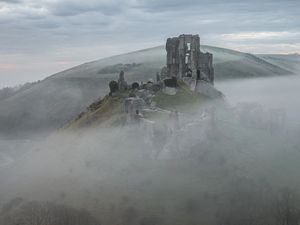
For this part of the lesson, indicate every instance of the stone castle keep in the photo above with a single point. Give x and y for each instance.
(185, 63)
(185, 60)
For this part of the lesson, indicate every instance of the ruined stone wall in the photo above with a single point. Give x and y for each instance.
(189, 50)
(182, 55)
(184, 59)
(172, 56)
(206, 66)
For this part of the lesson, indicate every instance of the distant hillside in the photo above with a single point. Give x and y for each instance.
(289, 62)
(52, 102)
(8, 92)
(228, 64)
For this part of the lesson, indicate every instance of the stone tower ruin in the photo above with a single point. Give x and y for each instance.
(185, 60)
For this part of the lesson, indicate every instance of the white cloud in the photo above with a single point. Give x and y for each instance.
(258, 35)
(266, 49)
(43, 27)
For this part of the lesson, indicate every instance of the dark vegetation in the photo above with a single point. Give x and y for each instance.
(18, 212)
(113, 86)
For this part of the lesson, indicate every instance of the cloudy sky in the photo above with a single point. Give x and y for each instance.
(41, 37)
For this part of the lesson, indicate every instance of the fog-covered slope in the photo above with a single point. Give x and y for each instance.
(228, 64)
(290, 62)
(208, 170)
(51, 103)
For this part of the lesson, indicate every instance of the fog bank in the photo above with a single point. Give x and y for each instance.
(272, 92)
(219, 163)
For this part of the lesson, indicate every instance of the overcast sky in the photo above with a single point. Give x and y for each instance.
(40, 37)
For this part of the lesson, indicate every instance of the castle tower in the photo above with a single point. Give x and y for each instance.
(184, 59)
(183, 55)
(121, 82)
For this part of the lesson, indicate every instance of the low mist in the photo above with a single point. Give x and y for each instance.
(271, 93)
(233, 162)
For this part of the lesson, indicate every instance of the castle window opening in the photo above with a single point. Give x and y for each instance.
(198, 75)
(186, 58)
(188, 46)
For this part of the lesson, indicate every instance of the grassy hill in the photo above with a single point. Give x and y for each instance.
(110, 110)
(52, 102)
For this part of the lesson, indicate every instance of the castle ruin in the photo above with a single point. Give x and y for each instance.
(185, 60)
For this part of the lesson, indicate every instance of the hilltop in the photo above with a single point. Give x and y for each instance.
(110, 110)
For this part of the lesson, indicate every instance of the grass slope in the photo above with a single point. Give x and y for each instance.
(110, 110)
(183, 97)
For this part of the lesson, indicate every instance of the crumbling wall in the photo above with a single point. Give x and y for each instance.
(206, 66)
(189, 51)
(173, 59)
(185, 60)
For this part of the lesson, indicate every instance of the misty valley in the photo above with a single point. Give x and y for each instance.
(188, 134)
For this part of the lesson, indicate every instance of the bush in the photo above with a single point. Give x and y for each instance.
(113, 86)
